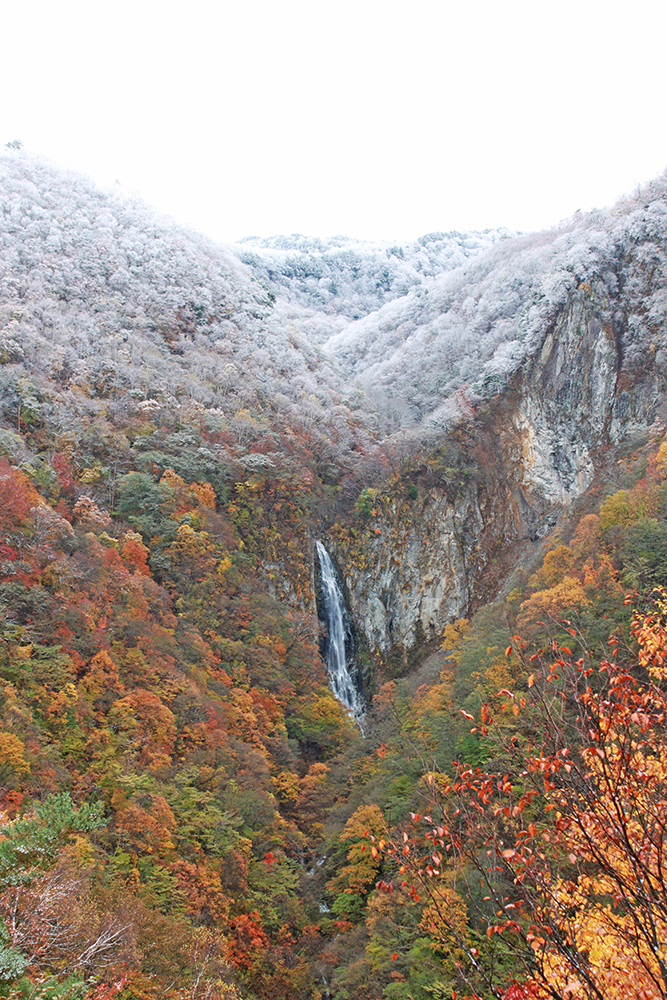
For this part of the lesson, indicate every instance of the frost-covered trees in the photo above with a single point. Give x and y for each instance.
(113, 303)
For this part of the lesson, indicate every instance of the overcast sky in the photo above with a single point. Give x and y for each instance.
(369, 118)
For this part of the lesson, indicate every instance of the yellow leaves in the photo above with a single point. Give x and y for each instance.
(95, 474)
(223, 566)
(552, 603)
(187, 538)
(12, 754)
(558, 563)
(651, 634)
(627, 506)
(661, 460)
(62, 700)
(619, 965)
(445, 915)
(286, 786)
(148, 725)
(361, 871)
(453, 636)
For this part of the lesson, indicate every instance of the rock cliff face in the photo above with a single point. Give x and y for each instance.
(529, 451)
(510, 372)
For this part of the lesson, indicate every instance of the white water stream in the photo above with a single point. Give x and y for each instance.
(338, 624)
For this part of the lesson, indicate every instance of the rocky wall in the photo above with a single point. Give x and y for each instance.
(533, 449)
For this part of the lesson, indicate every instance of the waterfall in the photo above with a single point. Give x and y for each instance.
(339, 629)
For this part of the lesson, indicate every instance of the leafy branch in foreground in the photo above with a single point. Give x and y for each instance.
(559, 847)
(28, 848)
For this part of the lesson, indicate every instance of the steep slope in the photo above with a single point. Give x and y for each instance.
(173, 441)
(490, 387)
(538, 356)
(469, 330)
(98, 293)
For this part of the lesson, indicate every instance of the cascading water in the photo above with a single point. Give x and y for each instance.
(338, 630)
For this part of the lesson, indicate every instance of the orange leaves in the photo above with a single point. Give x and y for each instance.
(134, 553)
(247, 936)
(552, 603)
(148, 829)
(202, 889)
(203, 494)
(569, 821)
(535, 941)
(17, 495)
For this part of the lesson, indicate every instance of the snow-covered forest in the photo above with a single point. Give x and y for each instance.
(99, 290)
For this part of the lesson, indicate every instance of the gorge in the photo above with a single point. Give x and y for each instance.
(238, 481)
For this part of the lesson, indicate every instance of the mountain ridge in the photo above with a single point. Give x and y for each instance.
(176, 432)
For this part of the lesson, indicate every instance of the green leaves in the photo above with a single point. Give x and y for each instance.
(12, 962)
(31, 845)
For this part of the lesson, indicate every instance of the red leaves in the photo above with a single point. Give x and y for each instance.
(246, 937)
(522, 991)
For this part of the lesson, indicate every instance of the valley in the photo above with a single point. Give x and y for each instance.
(460, 444)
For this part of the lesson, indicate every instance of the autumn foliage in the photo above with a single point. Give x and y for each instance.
(565, 837)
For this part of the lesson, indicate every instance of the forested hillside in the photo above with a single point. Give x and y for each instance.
(341, 279)
(474, 426)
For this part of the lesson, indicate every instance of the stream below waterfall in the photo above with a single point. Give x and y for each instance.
(338, 643)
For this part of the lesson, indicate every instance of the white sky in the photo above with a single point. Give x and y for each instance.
(370, 118)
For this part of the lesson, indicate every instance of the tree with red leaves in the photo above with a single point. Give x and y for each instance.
(559, 846)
